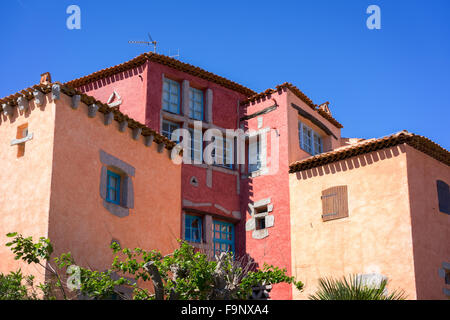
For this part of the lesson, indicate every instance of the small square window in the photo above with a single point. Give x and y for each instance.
(260, 223)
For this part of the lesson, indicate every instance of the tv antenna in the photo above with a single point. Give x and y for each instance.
(175, 55)
(151, 42)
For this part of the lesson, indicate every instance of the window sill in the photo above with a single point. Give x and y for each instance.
(116, 209)
(258, 173)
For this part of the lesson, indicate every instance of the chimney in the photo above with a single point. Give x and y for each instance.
(324, 107)
(46, 78)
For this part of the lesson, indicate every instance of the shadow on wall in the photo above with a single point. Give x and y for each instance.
(116, 77)
(351, 164)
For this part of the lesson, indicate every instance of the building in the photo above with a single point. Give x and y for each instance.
(78, 173)
(279, 204)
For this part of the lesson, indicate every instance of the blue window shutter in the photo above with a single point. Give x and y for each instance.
(443, 191)
(128, 193)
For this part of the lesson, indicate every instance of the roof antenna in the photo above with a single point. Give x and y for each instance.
(175, 55)
(151, 42)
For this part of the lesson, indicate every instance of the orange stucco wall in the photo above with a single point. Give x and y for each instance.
(54, 190)
(25, 181)
(430, 228)
(375, 238)
(78, 220)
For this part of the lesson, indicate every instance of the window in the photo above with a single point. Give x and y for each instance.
(334, 203)
(223, 239)
(254, 156)
(171, 96)
(260, 223)
(193, 228)
(196, 146)
(22, 132)
(196, 104)
(226, 158)
(113, 188)
(310, 141)
(443, 191)
(168, 127)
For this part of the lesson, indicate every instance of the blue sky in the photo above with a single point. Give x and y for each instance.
(377, 81)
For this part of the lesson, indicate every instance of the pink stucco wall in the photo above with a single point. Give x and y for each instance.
(25, 188)
(78, 220)
(131, 85)
(430, 228)
(377, 235)
(54, 189)
(274, 249)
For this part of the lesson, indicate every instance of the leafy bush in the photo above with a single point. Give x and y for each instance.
(186, 274)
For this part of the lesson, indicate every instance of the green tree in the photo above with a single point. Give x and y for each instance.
(186, 274)
(354, 288)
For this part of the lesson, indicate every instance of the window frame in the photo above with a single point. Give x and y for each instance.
(309, 144)
(224, 154)
(192, 146)
(169, 103)
(254, 167)
(192, 102)
(115, 188)
(221, 241)
(190, 218)
(170, 123)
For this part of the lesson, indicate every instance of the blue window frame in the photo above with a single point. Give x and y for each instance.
(193, 228)
(168, 127)
(171, 96)
(227, 154)
(310, 141)
(223, 238)
(113, 187)
(196, 104)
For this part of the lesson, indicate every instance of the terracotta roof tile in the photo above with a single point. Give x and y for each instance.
(420, 143)
(299, 94)
(164, 60)
(88, 100)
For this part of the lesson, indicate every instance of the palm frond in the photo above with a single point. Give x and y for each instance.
(354, 288)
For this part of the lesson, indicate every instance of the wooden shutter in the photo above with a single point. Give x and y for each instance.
(443, 191)
(334, 203)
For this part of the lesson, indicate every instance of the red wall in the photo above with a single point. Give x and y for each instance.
(274, 249)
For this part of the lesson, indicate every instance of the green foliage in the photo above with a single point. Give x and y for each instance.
(14, 286)
(268, 275)
(28, 251)
(186, 274)
(353, 289)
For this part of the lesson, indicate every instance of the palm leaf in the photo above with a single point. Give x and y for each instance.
(354, 289)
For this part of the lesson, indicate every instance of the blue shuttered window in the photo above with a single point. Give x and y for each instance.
(193, 228)
(223, 237)
(113, 187)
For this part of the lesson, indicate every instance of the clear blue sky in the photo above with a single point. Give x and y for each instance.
(378, 81)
